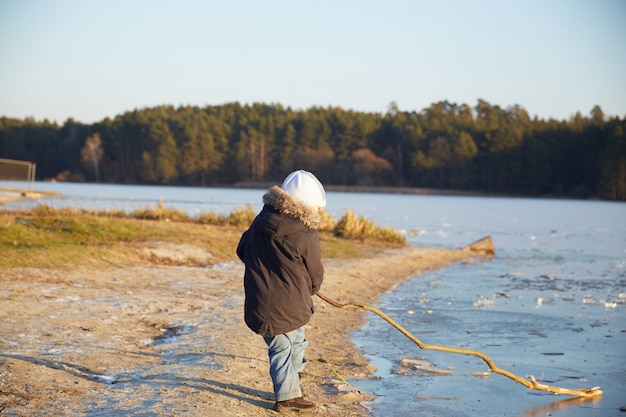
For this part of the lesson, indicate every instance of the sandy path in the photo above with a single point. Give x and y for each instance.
(170, 341)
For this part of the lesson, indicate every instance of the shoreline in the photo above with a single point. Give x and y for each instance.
(170, 340)
(11, 195)
(16, 195)
(363, 286)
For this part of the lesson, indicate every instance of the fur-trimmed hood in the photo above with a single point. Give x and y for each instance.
(285, 203)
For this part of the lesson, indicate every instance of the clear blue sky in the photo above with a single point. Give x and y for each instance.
(94, 59)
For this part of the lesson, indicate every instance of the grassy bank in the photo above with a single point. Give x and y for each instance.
(49, 237)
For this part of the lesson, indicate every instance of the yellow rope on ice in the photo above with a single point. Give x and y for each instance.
(530, 384)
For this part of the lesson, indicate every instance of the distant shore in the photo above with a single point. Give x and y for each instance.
(11, 195)
(8, 195)
(372, 189)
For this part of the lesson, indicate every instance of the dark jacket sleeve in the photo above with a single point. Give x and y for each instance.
(313, 263)
(243, 242)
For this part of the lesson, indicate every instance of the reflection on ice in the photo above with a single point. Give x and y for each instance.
(541, 301)
(483, 302)
(422, 366)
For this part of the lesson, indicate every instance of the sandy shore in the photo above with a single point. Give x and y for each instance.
(170, 340)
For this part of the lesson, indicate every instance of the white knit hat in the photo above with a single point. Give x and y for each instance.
(304, 186)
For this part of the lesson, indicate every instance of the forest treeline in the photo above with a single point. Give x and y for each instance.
(484, 149)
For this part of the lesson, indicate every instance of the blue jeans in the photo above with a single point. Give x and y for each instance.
(286, 354)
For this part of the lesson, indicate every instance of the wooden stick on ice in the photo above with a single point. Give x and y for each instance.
(530, 384)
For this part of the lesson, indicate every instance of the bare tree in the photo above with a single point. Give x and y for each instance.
(91, 154)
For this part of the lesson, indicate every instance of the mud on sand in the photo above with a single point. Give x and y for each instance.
(170, 340)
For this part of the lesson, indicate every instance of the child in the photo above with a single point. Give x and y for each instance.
(283, 270)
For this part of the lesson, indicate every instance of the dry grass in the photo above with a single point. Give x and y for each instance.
(52, 237)
(241, 217)
(352, 227)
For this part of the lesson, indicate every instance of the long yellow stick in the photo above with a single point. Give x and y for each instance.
(530, 384)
